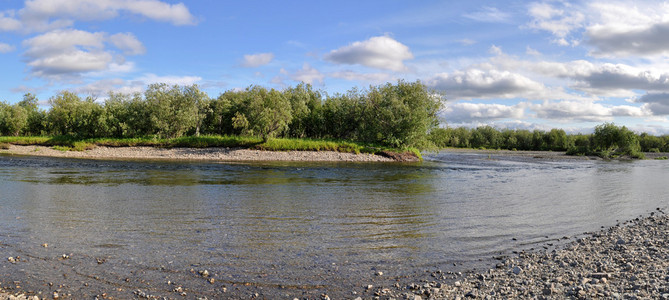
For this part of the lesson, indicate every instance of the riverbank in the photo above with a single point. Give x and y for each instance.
(627, 261)
(549, 155)
(208, 154)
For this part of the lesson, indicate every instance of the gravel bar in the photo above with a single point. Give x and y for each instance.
(627, 261)
(209, 154)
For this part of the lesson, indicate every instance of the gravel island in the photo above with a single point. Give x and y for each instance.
(210, 154)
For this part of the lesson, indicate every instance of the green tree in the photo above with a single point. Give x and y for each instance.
(36, 117)
(610, 139)
(70, 115)
(172, 111)
(400, 115)
(267, 113)
(306, 105)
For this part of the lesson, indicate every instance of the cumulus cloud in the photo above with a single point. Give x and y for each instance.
(605, 79)
(40, 15)
(650, 40)
(381, 52)
(64, 54)
(8, 22)
(613, 28)
(657, 103)
(66, 51)
(128, 43)
(6, 48)
(257, 60)
(477, 84)
(465, 112)
(307, 75)
(629, 28)
(586, 111)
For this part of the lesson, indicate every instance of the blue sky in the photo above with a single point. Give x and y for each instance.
(511, 64)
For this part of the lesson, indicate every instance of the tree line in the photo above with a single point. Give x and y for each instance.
(397, 115)
(607, 140)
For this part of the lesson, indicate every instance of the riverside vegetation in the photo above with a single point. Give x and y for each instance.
(394, 117)
(607, 141)
(385, 119)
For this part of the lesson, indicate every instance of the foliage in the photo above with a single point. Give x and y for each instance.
(172, 111)
(70, 115)
(612, 141)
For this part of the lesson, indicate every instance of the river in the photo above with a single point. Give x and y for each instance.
(285, 230)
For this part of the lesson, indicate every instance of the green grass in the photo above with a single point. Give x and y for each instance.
(68, 143)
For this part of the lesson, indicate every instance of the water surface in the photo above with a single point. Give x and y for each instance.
(293, 229)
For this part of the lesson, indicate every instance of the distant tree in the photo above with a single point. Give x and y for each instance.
(306, 106)
(70, 115)
(400, 115)
(36, 124)
(609, 138)
(173, 111)
(342, 115)
(267, 113)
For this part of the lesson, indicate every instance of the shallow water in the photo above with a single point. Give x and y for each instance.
(295, 229)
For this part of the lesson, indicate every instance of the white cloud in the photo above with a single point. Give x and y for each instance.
(128, 43)
(8, 22)
(307, 75)
(381, 52)
(586, 111)
(176, 14)
(489, 14)
(605, 79)
(476, 83)
(560, 20)
(62, 54)
(530, 51)
(355, 76)
(465, 112)
(657, 103)
(66, 52)
(43, 15)
(6, 48)
(257, 60)
(614, 28)
(169, 80)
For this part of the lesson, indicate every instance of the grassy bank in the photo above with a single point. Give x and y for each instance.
(67, 143)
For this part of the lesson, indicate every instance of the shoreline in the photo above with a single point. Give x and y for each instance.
(629, 260)
(195, 154)
(550, 155)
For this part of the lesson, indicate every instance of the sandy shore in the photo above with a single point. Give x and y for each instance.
(210, 154)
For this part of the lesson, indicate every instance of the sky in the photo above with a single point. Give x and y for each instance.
(509, 64)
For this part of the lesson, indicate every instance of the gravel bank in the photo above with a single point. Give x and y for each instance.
(627, 261)
(212, 154)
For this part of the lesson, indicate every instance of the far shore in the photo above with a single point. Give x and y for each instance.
(206, 154)
(557, 155)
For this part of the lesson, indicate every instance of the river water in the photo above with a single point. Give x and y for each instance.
(284, 230)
